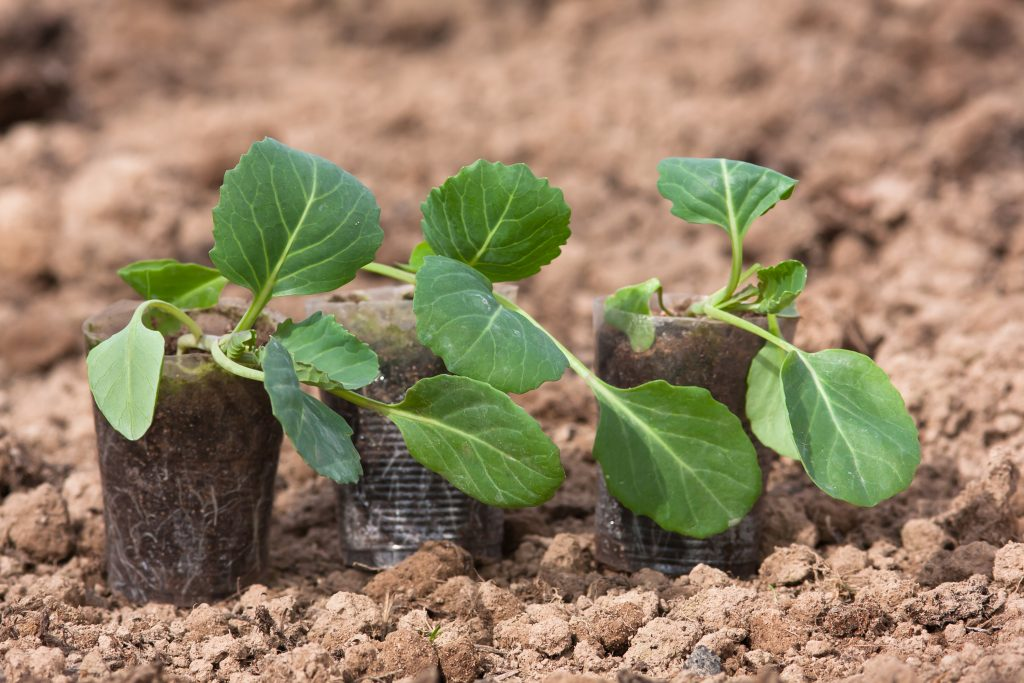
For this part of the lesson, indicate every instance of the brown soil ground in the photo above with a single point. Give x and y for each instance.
(902, 118)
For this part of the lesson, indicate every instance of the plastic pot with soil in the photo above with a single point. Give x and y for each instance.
(686, 351)
(398, 504)
(677, 414)
(186, 507)
(288, 223)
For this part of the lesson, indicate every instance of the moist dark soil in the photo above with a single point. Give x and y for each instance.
(902, 120)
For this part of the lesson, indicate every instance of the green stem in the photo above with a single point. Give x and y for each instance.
(212, 344)
(362, 401)
(773, 325)
(391, 272)
(259, 302)
(175, 313)
(747, 326)
(717, 298)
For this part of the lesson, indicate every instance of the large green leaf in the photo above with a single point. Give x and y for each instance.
(629, 310)
(478, 439)
(320, 435)
(502, 220)
(766, 402)
(778, 286)
(326, 354)
(856, 439)
(124, 375)
(185, 285)
(676, 455)
(289, 222)
(730, 194)
(459, 319)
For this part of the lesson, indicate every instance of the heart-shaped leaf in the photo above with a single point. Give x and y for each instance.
(479, 440)
(629, 310)
(502, 220)
(856, 439)
(124, 376)
(778, 286)
(326, 354)
(676, 455)
(320, 435)
(290, 223)
(459, 319)
(722, 192)
(185, 285)
(766, 402)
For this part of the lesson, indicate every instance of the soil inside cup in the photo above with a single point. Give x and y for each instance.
(398, 503)
(187, 507)
(687, 351)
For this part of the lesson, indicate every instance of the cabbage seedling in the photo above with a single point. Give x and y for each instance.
(672, 453)
(291, 223)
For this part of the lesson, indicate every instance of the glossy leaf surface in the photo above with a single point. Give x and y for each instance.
(856, 439)
(501, 220)
(730, 194)
(459, 319)
(290, 223)
(479, 440)
(676, 455)
(326, 354)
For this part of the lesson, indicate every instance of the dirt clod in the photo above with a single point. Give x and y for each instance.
(405, 653)
(36, 523)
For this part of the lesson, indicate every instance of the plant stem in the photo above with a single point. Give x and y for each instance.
(259, 302)
(391, 272)
(362, 401)
(212, 344)
(747, 326)
(175, 312)
(697, 308)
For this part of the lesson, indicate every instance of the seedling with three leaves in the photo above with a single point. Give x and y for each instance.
(672, 453)
(291, 223)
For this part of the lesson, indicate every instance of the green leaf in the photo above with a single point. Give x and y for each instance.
(676, 455)
(290, 223)
(320, 435)
(185, 285)
(326, 354)
(502, 220)
(766, 402)
(478, 439)
(459, 319)
(779, 286)
(730, 194)
(856, 439)
(124, 375)
(629, 310)
(419, 253)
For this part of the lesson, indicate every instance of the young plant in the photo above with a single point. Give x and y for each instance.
(671, 453)
(291, 223)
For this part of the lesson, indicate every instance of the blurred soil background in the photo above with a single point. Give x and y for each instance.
(903, 120)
